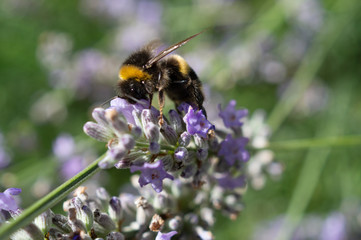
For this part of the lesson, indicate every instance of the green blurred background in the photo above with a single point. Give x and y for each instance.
(297, 60)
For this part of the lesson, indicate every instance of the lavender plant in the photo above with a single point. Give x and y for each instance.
(188, 170)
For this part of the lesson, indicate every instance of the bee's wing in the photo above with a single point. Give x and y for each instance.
(169, 50)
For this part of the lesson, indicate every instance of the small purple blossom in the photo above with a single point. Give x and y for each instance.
(7, 202)
(197, 123)
(152, 173)
(232, 117)
(165, 236)
(232, 149)
(183, 107)
(228, 182)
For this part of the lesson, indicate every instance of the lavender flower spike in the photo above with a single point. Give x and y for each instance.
(7, 202)
(232, 117)
(197, 123)
(165, 236)
(152, 173)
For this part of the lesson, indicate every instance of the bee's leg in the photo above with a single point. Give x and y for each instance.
(150, 100)
(161, 105)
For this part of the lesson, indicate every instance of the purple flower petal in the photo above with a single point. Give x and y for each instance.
(233, 149)
(197, 123)
(165, 236)
(7, 202)
(232, 117)
(153, 173)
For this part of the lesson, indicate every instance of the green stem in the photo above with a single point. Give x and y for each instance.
(49, 200)
(341, 141)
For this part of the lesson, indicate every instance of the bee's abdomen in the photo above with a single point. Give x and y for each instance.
(184, 85)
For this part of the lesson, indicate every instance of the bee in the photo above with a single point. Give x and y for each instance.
(144, 73)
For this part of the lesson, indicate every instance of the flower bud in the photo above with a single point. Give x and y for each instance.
(200, 142)
(154, 147)
(43, 221)
(104, 220)
(61, 222)
(83, 213)
(136, 116)
(87, 217)
(127, 141)
(151, 132)
(75, 224)
(167, 163)
(176, 121)
(181, 154)
(144, 211)
(148, 117)
(98, 132)
(117, 152)
(99, 115)
(202, 153)
(169, 134)
(184, 139)
(103, 196)
(117, 123)
(115, 209)
(106, 162)
(136, 131)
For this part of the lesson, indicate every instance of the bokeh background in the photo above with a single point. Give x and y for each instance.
(294, 62)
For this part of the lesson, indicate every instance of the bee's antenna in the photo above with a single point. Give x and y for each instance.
(134, 99)
(107, 101)
(169, 50)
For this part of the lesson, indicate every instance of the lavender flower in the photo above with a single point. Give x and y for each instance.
(197, 123)
(204, 167)
(7, 202)
(152, 173)
(165, 236)
(232, 117)
(233, 149)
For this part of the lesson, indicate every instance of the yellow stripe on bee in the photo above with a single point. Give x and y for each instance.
(130, 71)
(183, 65)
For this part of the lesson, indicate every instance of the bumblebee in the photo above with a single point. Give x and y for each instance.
(143, 73)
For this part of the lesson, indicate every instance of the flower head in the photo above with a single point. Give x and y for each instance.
(233, 149)
(197, 123)
(165, 236)
(7, 202)
(152, 173)
(232, 117)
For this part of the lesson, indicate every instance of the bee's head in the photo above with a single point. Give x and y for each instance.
(131, 89)
(131, 83)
